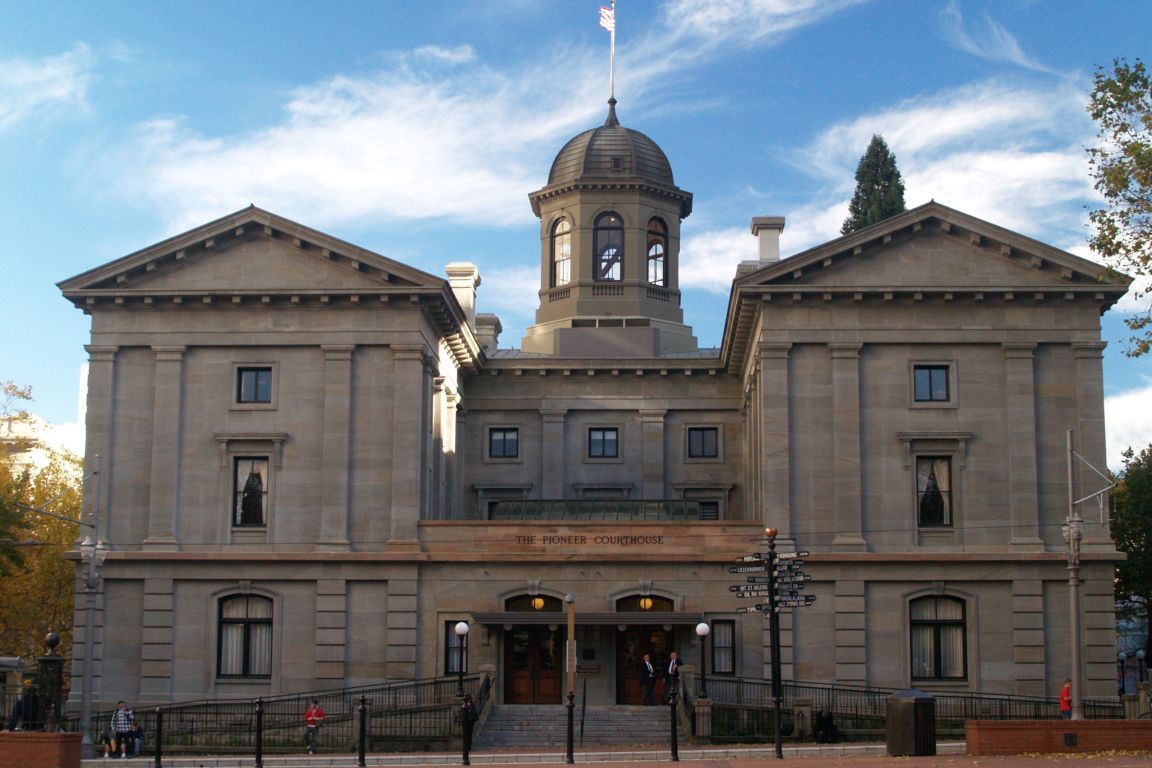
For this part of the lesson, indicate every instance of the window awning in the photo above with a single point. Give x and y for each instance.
(674, 618)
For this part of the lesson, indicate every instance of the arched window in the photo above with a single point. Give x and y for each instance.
(644, 603)
(939, 632)
(608, 243)
(657, 252)
(533, 603)
(245, 637)
(561, 253)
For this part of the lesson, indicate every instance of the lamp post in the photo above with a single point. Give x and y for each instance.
(1121, 662)
(702, 630)
(570, 654)
(1073, 531)
(92, 554)
(461, 630)
(1140, 666)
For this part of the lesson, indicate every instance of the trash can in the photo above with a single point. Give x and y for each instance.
(911, 723)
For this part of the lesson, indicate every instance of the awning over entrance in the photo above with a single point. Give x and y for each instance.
(559, 617)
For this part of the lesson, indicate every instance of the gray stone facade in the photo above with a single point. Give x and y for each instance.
(384, 418)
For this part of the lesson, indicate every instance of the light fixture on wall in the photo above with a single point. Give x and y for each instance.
(645, 603)
(537, 603)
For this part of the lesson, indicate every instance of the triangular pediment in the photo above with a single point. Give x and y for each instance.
(250, 251)
(934, 247)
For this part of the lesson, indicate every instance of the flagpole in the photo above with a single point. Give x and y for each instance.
(612, 56)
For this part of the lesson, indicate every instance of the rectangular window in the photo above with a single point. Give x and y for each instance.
(703, 442)
(934, 491)
(244, 644)
(503, 443)
(930, 384)
(250, 492)
(938, 638)
(603, 443)
(723, 647)
(455, 651)
(709, 510)
(254, 385)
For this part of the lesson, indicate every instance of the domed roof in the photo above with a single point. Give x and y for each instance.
(611, 151)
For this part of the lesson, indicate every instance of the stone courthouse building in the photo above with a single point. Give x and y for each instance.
(316, 460)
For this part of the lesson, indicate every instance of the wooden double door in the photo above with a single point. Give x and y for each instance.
(534, 664)
(631, 645)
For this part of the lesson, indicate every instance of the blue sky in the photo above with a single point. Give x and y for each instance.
(417, 130)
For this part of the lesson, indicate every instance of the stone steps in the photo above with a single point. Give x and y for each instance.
(511, 726)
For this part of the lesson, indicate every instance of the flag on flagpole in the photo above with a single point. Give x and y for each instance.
(608, 18)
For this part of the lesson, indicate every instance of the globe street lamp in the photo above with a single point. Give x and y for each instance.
(702, 630)
(461, 630)
(92, 554)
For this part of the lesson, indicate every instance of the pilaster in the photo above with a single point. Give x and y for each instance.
(336, 447)
(409, 446)
(331, 631)
(552, 469)
(156, 640)
(1090, 435)
(167, 422)
(404, 628)
(846, 466)
(652, 453)
(1028, 637)
(775, 439)
(851, 632)
(100, 413)
(1020, 424)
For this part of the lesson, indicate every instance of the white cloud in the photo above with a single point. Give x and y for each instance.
(31, 88)
(513, 297)
(708, 260)
(1129, 418)
(995, 42)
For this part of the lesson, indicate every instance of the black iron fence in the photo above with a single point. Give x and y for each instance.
(397, 716)
(743, 708)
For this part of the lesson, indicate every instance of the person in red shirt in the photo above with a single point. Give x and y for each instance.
(1066, 700)
(313, 717)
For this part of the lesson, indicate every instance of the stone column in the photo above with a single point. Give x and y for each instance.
(167, 422)
(409, 439)
(846, 460)
(1020, 425)
(451, 498)
(775, 439)
(336, 464)
(552, 468)
(652, 454)
(438, 488)
(100, 415)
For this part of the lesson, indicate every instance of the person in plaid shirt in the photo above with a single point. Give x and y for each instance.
(122, 727)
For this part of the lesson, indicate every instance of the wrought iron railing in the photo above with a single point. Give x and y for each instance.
(744, 707)
(398, 713)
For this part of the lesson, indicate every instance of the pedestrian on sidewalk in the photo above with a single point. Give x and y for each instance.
(313, 718)
(121, 727)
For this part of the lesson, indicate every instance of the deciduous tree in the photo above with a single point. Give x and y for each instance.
(1132, 529)
(879, 188)
(1121, 162)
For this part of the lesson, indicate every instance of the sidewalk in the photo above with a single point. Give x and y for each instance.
(949, 755)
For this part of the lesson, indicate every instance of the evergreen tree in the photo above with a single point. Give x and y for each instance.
(879, 188)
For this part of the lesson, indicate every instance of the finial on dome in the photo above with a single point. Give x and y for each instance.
(611, 122)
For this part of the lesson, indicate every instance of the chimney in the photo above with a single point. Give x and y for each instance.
(464, 278)
(488, 329)
(767, 230)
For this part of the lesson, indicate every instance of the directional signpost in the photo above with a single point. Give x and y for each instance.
(778, 578)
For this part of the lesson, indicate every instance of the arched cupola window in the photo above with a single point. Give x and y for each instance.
(561, 253)
(644, 603)
(534, 603)
(608, 242)
(657, 252)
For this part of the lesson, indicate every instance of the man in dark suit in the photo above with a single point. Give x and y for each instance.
(648, 678)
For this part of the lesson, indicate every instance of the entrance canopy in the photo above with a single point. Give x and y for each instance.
(608, 617)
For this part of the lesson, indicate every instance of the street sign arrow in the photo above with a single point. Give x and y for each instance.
(757, 593)
(794, 563)
(796, 602)
(755, 557)
(748, 568)
(791, 555)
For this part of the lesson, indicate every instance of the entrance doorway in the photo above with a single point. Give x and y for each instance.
(533, 657)
(631, 645)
